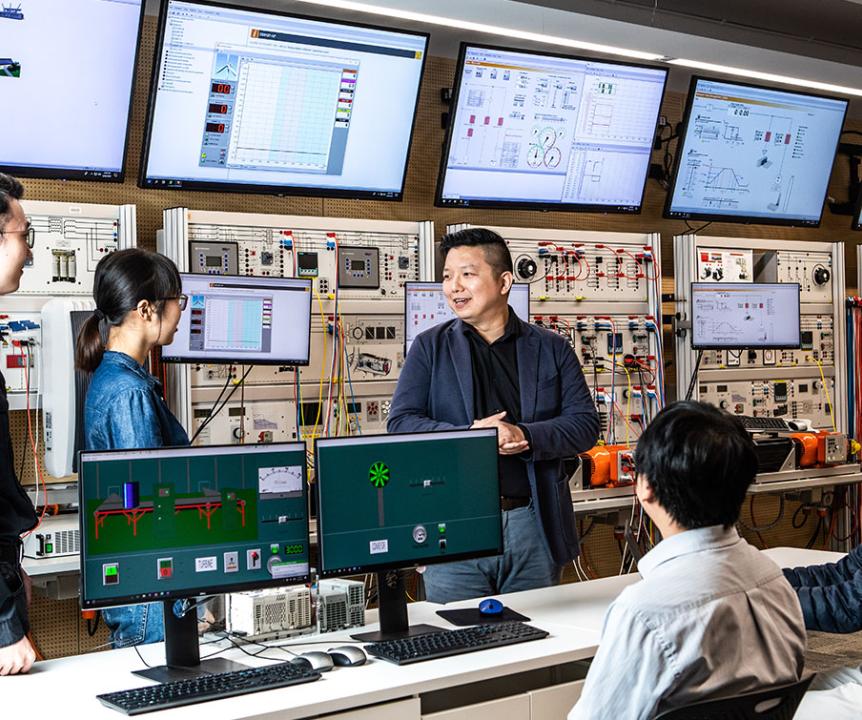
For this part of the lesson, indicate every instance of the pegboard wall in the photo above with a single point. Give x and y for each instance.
(57, 626)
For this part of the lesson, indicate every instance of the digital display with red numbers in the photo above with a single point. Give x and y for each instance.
(218, 109)
(221, 88)
(215, 127)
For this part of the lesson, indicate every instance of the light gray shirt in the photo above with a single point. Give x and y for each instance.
(712, 617)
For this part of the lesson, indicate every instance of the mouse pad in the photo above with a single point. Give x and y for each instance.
(472, 616)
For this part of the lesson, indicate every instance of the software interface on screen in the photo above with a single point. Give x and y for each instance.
(745, 315)
(255, 98)
(397, 500)
(174, 522)
(755, 153)
(540, 129)
(248, 320)
(66, 70)
(426, 306)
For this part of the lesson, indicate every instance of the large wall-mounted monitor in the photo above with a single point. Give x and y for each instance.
(754, 154)
(739, 316)
(541, 131)
(179, 522)
(260, 101)
(425, 306)
(243, 320)
(66, 75)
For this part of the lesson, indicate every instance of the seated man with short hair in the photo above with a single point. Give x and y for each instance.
(712, 616)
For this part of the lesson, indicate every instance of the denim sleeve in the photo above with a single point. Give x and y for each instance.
(831, 595)
(14, 622)
(828, 573)
(131, 421)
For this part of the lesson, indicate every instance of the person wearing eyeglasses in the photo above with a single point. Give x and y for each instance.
(17, 514)
(139, 301)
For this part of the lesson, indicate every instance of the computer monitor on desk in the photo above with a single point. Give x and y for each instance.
(188, 522)
(392, 501)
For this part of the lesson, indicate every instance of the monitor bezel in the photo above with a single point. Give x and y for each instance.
(47, 172)
(246, 361)
(718, 286)
(414, 283)
(668, 214)
(856, 223)
(439, 201)
(93, 604)
(394, 564)
(147, 183)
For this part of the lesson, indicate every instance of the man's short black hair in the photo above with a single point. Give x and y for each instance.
(699, 462)
(496, 251)
(10, 188)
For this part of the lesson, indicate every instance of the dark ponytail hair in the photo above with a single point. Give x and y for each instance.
(122, 280)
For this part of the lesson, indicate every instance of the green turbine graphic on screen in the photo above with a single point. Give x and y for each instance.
(378, 475)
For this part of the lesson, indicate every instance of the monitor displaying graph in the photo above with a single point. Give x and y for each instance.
(745, 315)
(534, 130)
(262, 101)
(754, 154)
(243, 320)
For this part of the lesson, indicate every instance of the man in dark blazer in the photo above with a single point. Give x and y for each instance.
(487, 368)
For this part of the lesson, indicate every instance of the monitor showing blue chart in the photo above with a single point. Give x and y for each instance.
(243, 321)
(754, 154)
(425, 306)
(536, 130)
(736, 316)
(260, 101)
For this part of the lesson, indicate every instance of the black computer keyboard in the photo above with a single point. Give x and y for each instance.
(207, 687)
(758, 424)
(454, 642)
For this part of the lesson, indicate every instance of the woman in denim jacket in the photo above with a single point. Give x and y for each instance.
(139, 300)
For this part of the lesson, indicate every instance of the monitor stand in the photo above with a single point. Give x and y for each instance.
(182, 651)
(392, 600)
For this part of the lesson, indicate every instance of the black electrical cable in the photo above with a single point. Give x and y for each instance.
(690, 390)
(214, 405)
(768, 526)
(695, 231)
(224, 402)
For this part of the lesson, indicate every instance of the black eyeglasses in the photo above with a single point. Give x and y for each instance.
(29, 235)
(182, 299)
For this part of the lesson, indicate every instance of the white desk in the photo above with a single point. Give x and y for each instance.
(571, 613)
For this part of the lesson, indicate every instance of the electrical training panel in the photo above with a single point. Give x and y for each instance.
(358, 269)
(602, 292)
(70, 240)
(804, 385)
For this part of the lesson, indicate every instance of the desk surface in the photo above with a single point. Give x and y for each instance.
(572, 613)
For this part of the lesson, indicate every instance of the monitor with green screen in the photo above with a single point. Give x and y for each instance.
(179, 522)
(392, 501)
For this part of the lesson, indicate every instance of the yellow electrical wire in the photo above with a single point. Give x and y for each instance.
(322, 367)
(628, 402)
(828, 399)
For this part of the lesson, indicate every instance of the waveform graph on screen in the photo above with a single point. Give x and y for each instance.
(132, 509)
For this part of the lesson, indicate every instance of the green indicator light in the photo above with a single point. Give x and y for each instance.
(378, 475)
(49, 548)
(441, 528)
(111, 571)
(274, 549)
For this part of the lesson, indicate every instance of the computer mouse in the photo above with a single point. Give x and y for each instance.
(317, 659)
(347, 655)
(490, 606)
